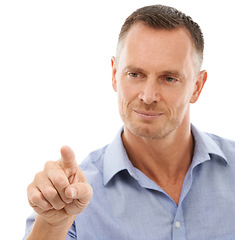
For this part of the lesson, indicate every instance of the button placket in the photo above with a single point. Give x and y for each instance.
(178, 225)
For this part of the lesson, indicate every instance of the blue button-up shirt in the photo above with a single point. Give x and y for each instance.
(128, 205)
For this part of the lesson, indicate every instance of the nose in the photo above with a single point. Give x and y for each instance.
(149, 93)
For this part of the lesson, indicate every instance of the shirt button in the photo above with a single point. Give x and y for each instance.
(177, 224)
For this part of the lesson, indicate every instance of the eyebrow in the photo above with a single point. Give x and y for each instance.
(137, 69)
(173, 72)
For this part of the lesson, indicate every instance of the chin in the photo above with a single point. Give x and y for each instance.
(151, 131)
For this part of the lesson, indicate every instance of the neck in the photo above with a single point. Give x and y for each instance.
(162, 160)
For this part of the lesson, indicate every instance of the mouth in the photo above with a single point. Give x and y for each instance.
(147, 115)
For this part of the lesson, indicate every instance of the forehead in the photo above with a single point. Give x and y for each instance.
(146, 44)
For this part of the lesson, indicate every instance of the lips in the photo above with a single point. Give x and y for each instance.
(148, 114)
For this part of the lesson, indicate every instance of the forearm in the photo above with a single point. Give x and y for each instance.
(44, 231)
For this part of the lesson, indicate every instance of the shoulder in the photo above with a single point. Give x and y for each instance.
(92, 165)
(227, 146)
(208, 143)
(224, 143)
(93, 158)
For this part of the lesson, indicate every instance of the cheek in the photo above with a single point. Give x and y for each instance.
(122, 100)
(177, 102)
(126, 94)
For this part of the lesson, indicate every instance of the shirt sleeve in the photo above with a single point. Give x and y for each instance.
(31, 219)
(29, 224)
(72, 233)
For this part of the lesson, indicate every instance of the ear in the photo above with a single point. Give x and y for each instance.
(202, 77)
(114, 71)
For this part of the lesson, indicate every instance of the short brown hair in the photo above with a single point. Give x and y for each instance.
(164, 17)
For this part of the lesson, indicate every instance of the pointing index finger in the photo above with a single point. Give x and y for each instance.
(67, 157)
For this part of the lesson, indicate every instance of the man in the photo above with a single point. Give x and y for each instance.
(160, 178)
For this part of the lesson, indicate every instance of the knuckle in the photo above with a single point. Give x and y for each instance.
(48, 164)
(90, 191)
(59, 206)
(29, 188)
(49, 193)
(35, 198)
(38, 176)
(60, 181)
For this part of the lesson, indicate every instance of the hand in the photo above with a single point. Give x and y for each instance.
(60, 191)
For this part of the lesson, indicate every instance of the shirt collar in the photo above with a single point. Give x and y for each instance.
(205, 147)
(116, 158)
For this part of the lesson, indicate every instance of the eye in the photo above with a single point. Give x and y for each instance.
(133, 74)
(170, 79)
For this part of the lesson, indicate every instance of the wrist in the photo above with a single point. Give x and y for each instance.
(42, 230)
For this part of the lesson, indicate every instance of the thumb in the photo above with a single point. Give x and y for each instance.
(80, 190)
(81, 193)
(67, 157)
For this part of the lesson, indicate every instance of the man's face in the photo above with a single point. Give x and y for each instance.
(156, 80)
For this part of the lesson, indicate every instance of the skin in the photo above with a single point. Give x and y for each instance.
(156, 80)
(58, 194)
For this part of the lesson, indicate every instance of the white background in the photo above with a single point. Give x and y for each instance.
(55, 84)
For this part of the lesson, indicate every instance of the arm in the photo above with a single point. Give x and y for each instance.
(58, 194)
(42, 230)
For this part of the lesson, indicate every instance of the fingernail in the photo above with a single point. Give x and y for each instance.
(74, 192)
(69, 201)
